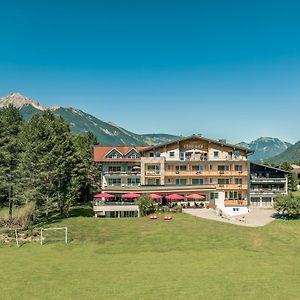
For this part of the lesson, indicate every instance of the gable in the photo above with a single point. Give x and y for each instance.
(114, 153)
(132, 154)
(196, 143)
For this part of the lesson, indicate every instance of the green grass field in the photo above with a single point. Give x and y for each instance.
(186, 258)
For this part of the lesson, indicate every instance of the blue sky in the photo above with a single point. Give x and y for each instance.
(226, 69)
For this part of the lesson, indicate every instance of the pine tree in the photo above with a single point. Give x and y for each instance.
(10, 125)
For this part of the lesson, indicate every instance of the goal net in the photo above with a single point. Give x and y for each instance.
(51, 235)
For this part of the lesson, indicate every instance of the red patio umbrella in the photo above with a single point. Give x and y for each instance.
(174, 197)
(155, 196)
(104, 195)
(130, 196)
(195, 197)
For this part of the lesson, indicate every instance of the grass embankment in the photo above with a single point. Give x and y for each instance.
(186, 258)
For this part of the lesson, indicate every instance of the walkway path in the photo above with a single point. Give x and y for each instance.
(255, 218)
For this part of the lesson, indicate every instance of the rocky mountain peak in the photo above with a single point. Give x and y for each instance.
(18, 100)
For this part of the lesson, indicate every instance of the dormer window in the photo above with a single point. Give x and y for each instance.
(132, 154)
(114, 154)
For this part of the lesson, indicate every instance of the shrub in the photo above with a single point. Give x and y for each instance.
(22, 218)
(288, 205)
(146, 205)
(177, 208)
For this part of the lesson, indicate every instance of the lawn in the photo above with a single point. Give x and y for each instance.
(297, 193)
(186, 258)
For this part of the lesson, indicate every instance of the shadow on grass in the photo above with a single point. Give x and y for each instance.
(77, 211)
(81, 211)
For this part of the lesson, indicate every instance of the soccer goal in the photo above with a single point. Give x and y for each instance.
(58, 234)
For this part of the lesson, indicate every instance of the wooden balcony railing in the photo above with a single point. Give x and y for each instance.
(230, 202)
(206, 173)
(233, 186)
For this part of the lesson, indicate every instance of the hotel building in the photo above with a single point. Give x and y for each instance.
(214, 169)
(266, 183)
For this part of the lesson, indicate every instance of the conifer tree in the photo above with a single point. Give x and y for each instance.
(10, 125)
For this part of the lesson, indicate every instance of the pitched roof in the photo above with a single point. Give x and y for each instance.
(269, 167)
(100, 152)
(195, 137)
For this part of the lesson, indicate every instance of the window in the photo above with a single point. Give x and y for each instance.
(172, 154)
(114, 181)
(237, 153)
(133, 181)
(114, 168)
(233, 195)
(180, 181)
(238, 181)
(216, 153)
(151, 154)
(114, 154)
(197, 181)
(198, 168)
(188, 154)
(238, 168)
(153, 181)
(180, 168)
(157, 154)
(223, 181)
(155, 168)
(223, 168)
(214, 195)
(181, 155)
(133, 155)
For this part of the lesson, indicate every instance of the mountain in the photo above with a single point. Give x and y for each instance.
(292, 154)
(107, 133)
(265, 148)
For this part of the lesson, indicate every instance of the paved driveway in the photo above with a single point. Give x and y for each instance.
(255, 218)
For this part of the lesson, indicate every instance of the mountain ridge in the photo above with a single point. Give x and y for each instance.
(109, 133)
(292, 154)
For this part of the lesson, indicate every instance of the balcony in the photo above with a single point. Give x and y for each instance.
(268, 192)
(121, 173)
(153, 173)
(206, 173)
(233, 186)
(268, 180)
(233, 202)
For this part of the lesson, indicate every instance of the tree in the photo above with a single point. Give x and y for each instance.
(86, 169)
(146, 205)
(10, 123)
(292, 177)
(288, 205)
